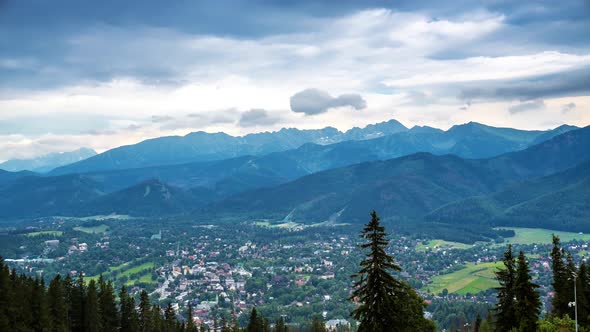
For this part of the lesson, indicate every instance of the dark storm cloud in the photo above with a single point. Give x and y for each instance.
(42, 32)
(315, 101)
(569, 83)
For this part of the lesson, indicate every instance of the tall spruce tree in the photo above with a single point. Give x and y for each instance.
(169, 317)
(40, 307)
(78, 296)
(145, 312)
(255, 323)
(505, 307)
(129, 318)
(107, 306)
(190, 324)
(583, 295)
(4, 296)
(280, 325)
(318, 324)
(58, 307)
(92, 318)
(560, 283)
(528, 303)
(383, 300)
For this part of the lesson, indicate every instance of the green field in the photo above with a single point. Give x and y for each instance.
(54, 233)
(92, 230)
(473, 278)
(441, 244)
(144, 278)
(541, 236)
(125, 270)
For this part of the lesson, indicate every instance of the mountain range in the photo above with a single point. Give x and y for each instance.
(471, 177)
(231, 176)
(202, 146)
(409, 187)
(47, 162)
(471, 140)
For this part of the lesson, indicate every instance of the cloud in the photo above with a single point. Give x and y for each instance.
(257, 117)
(568, 107)
(315, 101)
(527, 106)
(195, 121)
(161, 118)
(572, 82)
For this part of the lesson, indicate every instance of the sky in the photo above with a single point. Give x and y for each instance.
(101, 74)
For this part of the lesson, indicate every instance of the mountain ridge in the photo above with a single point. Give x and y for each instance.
(48, 162)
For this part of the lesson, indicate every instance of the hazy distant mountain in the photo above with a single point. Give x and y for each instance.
(234, 175)
(201, 146)
(407, 187)
(380, 141)
(47, 162)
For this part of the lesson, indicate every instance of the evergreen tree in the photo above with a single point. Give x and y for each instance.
(169, 317)
(235, 326)
(528, 303)
(145, 312)
(583, 295)
(477, 323)
(4, 296)
(157, 321)
(381, 296)
(280, 325)
(108, 308)
(68, 291)
(190, 324)
(505, 307)
(39, 307)
(125, 322)
(255, 324)
(91, 310)
(129, 318)
(318, 324)
(78, 294)
(265, 324)
(19, 311)
(560, 283)
(58, 307)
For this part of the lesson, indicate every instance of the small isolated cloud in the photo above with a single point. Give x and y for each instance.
(257, 117)
(465, 106)
(527, 106)
(315, 101)
(161, 118)
(568, 107)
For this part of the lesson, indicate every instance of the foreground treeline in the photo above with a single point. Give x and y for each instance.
(27, 304)
(66, 304)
